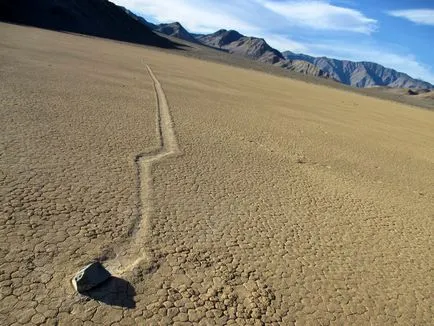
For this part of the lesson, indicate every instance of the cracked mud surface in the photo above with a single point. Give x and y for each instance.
(287, 204)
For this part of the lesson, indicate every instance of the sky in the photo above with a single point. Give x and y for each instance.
(397, 34)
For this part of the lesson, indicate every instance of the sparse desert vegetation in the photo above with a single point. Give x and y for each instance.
(282, 203)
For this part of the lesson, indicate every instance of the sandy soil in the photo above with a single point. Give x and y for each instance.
(248, 199)
(429, 95)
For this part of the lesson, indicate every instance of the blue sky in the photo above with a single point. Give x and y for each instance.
(395, 33)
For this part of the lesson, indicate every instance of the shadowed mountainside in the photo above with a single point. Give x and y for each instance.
(361, 74)
(91, 17)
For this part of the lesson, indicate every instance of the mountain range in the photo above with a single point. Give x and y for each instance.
(256, 49)
(361, 74)
(357, 74)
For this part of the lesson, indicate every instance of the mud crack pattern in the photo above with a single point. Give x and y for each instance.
(283, 208)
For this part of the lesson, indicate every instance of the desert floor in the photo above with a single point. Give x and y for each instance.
(248, 199)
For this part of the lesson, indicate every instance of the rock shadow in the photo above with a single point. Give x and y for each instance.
(115, 292)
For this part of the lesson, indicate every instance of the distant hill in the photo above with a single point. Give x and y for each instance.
(361, 74)
(234, 42)
(257, 49)
(92, 17)
(175, 30)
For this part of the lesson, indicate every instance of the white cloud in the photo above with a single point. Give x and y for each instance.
(196, 16)
(418, 16)
(321, 15)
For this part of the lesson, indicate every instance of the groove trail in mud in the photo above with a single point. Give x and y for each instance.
(134, 250)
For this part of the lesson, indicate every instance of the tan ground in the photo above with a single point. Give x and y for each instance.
(429, 95)
(281, 203)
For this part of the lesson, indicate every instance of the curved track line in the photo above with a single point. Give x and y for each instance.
(134, 252)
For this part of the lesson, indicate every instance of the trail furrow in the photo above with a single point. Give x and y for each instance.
(134, 251)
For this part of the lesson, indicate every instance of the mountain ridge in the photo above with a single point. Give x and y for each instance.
(176, 30)
(257, 49)
(362, 74)
(234, 42)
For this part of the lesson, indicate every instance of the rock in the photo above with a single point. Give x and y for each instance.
(412, 92)
(90, 276)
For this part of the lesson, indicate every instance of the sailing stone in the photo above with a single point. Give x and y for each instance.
(90, 276)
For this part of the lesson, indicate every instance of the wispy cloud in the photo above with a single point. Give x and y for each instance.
(322, 15)
(283, 43)
(197, 16)
(418, 16)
